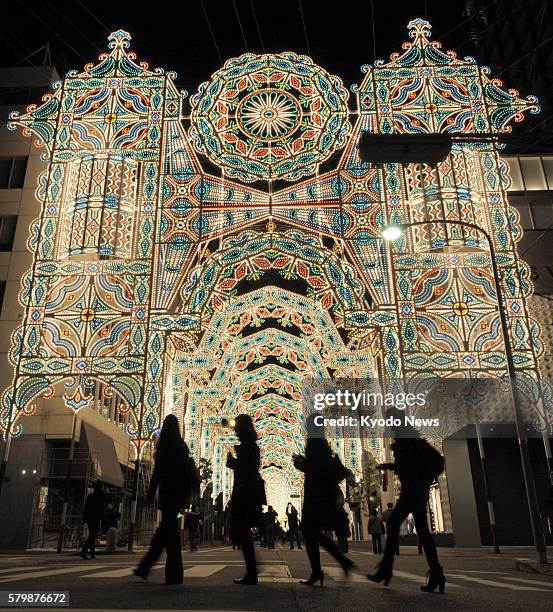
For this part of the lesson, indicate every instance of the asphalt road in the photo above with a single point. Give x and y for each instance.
(477, 580)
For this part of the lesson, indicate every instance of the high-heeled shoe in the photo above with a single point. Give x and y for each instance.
(247, 579)
(436, 579)
(383, 573)
(313, 579)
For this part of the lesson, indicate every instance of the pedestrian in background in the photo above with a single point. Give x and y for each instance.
(293, 526)
(176, 477)
(93, 515)
(192, 525)
(386, 517)
(248, 493)
(376, 529)
(110, 524)
(269, 519)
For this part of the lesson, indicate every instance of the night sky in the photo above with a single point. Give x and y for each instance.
(176, 35)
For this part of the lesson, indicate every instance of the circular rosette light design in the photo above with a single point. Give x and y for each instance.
(270, 117)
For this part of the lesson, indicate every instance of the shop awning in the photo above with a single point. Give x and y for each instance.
(104, 456)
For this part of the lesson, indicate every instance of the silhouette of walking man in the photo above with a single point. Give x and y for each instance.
(93, 515)
(192, 525)
(248, 494)
(417, 465)
(386, 517)
(376, 530)
(293, 525)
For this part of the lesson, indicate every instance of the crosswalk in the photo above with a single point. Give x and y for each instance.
(269, 573)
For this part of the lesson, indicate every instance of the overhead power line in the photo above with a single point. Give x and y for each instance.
(538, 36)
(522, 57)
(240, 25)
(94, 44)
(304, 29)
(211, 32)
(257, 26)
(374, 30)
(94, 16)
(48, 27)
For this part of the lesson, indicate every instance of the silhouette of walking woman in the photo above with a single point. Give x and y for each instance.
(417, 465)
(323, 472)
(172, 475)
(248, 494)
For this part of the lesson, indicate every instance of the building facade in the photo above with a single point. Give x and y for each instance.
(41, 453)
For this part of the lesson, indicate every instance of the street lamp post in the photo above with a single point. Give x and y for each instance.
(396, 231)
(6, 452)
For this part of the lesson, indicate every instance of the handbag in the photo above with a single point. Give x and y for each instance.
(338, 471)
(261, 496)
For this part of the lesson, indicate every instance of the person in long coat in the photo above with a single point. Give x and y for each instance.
(376, 530)
(93, 515)
(169, 475)
(323, 472)
(293, 525)
(247, 496)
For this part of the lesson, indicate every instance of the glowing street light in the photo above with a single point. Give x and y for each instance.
(392, 232)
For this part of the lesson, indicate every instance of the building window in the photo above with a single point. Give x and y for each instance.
(7, 232)
(530, 173)
(517, 184)
(548, 169)
(12, 172)
(536, 211)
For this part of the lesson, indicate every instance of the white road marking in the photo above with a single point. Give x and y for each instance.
(50, 572)
(202, 571)
(118, 573)
(338, 575)
(195, 571)
(483, 572)
(274, 571)
(526, 581)
(21, 569)
(421, 579)
(494, 583)
(212, 550)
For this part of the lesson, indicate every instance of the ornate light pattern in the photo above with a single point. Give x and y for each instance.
(270, 116)
(207, 296)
